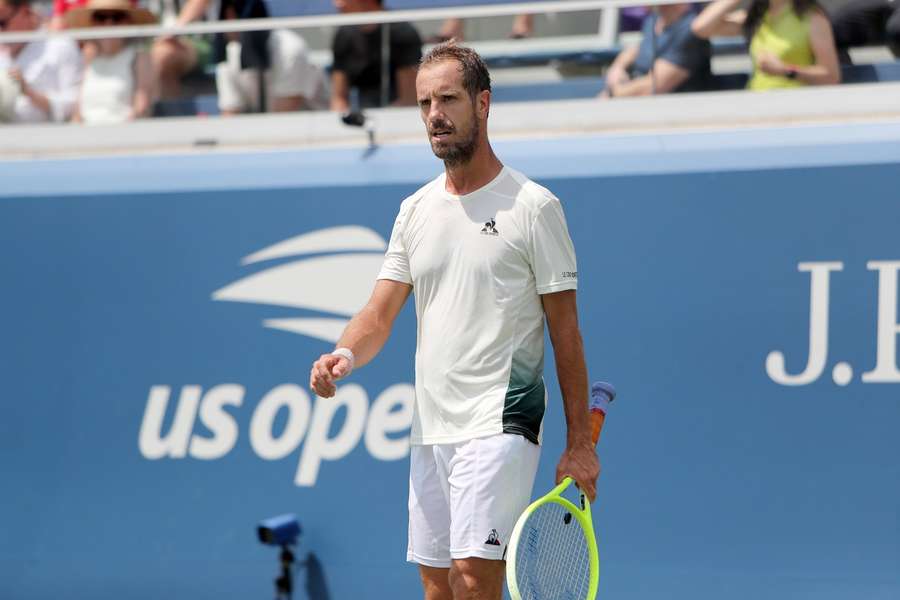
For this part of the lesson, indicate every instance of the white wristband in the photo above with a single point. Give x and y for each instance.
(346, 353)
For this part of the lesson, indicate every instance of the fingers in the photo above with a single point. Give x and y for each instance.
(589, 489)
(325, 371)
(583, 467)
(321, 379)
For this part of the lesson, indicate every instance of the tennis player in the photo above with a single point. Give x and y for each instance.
(488, 254)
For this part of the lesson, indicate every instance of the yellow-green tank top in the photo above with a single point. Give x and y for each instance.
(786, 35)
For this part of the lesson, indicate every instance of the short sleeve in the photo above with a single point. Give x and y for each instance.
(396, 259)
(551, 251)
(340, 48)
(686, 50)
(406, 46)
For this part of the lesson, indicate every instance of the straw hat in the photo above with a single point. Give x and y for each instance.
(82, 17)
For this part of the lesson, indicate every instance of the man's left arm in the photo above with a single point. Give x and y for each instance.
(685, 55)
(579, 460)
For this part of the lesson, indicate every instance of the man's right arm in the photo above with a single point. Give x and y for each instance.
(340, 92)
(364, 336)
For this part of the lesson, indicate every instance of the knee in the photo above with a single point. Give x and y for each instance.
(476, 579)
(165, 58)
(435, 583)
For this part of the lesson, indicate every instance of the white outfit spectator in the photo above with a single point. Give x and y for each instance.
(291, 75)
(108, 88)
(117, 78)
(51, 67)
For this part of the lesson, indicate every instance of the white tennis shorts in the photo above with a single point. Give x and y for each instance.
(465, 498)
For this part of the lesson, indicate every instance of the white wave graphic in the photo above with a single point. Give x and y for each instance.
(338, 284)
(324, 329)
(348, 237)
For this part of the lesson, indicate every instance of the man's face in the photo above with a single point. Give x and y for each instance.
(15, 18)
(450, 115)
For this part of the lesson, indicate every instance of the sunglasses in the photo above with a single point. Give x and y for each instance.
(116, 17)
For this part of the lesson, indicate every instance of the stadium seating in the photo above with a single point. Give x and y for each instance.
(566, 89)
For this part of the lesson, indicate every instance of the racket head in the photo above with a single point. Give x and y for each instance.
(552, 553)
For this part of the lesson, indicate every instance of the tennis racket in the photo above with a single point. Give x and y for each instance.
(552, 552)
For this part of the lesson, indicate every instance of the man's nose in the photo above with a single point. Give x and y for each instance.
(435, 111)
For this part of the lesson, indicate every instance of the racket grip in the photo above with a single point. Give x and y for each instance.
(597, 418)
(602, 394)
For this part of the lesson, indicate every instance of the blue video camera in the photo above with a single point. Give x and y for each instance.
(282, 530)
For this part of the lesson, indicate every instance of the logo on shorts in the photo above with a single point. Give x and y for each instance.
(490, 228)
(493, 538)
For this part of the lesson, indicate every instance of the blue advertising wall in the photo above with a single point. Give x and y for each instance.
(160, 313)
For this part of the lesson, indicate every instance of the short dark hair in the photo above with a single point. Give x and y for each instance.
(475, 74)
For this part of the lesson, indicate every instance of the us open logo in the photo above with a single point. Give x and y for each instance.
(327, 430)
(311, 283)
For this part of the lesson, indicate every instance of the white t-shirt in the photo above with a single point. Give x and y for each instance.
(478, 264)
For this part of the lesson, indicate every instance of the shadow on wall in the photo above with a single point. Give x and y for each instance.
(316, 587)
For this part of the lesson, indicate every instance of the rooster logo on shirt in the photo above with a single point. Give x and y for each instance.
(490, 228)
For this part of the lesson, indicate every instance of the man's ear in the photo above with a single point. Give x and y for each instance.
(484, 103)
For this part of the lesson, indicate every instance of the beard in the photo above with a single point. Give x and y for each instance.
(458, 153)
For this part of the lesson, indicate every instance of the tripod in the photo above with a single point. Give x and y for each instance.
(284, 583)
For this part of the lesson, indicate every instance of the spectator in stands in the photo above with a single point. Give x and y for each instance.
(454, 29)
(867, 23)
(791, 42)
(175, 57)
(46, 72)
(357, 61)
(60, 8)
(117, 82)
(291, 82)
(670, 58)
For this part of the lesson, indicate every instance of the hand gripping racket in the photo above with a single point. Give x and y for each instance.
(552, 553)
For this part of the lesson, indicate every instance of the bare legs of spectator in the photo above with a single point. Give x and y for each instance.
(522, 27)
(172, 60)
(288, 103)
(451, 29)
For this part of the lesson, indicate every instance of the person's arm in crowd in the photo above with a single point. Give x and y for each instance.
(340, 91)
(76, 110)
(826, 70)
(579, 460)
(38, 99)
(406, 87)
(666, 77)
(143, 88)
(71, 70)
(719, 18)
(617, 73)
(57, 20)
(192, 11)
(56, 104)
